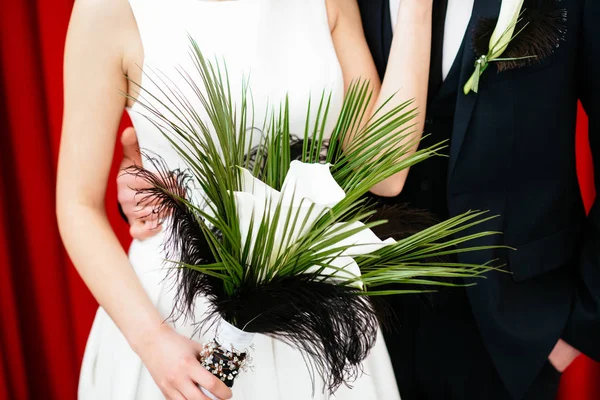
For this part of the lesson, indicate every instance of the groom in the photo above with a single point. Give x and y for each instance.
(512, 151)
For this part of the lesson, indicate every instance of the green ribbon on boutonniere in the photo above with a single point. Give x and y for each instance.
(504, 33)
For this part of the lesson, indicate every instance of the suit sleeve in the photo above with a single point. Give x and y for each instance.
(583, 329)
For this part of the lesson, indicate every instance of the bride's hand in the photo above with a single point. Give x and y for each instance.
(172, 360)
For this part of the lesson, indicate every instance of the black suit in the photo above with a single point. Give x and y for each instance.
(513, 152)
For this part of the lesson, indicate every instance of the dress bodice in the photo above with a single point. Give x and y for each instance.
(279, 47)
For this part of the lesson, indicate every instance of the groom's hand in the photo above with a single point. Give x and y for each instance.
(143, 222)
(563, 355)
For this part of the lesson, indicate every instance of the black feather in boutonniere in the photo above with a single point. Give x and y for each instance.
(539, 31)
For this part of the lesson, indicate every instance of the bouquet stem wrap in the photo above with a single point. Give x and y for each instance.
(227, 354)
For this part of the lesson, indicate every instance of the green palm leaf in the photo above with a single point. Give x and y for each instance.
(363, 152)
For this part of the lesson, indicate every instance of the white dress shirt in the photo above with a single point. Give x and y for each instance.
(457, 20)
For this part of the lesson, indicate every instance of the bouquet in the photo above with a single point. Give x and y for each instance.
(277, 236)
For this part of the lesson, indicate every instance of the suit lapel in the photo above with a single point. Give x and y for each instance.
(466, 103)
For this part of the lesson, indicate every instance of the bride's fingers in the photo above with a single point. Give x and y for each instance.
(190, 391)
(173, 394)
(208, 381)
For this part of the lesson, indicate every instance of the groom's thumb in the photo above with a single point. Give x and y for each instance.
(131, 148)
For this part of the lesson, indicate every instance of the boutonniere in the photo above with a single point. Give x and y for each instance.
(524, 33)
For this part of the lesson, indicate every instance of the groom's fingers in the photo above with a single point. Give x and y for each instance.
(142, 230)
(128, 184)
(145, 213)
(127, 193)
(145, 222)
(131, 148)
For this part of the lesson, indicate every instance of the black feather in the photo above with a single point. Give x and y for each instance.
(542, 28)
(334, 325)
(403, 222)
(185, 240)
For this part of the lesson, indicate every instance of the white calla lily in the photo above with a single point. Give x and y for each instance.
(256, 187)
(313, 182)
(505, 29)
(362, 242)
(308, 191)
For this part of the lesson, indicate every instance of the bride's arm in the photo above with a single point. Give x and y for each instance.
(93, 77)
(407, 70)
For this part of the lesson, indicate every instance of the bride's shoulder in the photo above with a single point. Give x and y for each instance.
(101, 16)
(106, 25)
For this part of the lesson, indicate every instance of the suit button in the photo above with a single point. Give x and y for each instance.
(429, 121)
(425, 185)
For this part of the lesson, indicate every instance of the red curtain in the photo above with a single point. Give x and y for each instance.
(46, 311)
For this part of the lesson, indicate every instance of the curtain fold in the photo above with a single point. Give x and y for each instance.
(36, 258)
(46, 309)
(12, 361)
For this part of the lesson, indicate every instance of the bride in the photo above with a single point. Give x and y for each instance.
(286, 47)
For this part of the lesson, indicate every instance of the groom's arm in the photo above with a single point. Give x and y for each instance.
(583, 330)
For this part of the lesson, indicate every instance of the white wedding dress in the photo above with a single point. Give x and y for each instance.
(284, 47)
